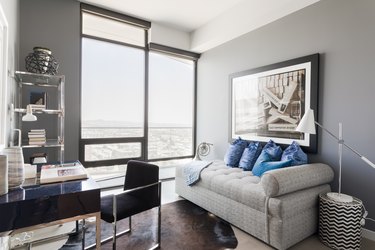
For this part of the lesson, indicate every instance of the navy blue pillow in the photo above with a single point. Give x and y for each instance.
(234, 152)
(295, 154)
(250, 155)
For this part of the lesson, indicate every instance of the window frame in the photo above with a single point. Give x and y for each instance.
(147, 48)
(163, 49)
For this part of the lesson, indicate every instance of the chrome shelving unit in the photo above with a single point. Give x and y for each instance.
(53, 85)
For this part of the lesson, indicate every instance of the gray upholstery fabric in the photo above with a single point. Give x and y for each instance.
(287, 180)
(240, 198)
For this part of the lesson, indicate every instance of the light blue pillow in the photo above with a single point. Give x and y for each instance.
(295, 154)
(265, 166)
(250, 155)
(270, 152)
(234, 152)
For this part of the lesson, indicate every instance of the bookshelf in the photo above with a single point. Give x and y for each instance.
(50, 115)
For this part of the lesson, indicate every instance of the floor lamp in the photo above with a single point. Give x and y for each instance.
(307, 125)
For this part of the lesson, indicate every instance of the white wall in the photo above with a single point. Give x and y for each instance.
(170, 37)
(242, 19)
(11, 11)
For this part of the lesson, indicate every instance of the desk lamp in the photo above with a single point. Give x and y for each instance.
(307, 125)
(29, 117)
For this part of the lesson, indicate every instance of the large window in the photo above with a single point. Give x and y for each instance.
(137, 99)
(171, 106)
(112, 90)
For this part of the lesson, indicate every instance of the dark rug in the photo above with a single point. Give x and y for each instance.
(184, 226)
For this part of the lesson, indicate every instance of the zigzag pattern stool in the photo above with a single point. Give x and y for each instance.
(340, 223)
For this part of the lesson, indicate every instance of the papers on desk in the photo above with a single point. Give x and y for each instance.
(30, 171)
(62, 172)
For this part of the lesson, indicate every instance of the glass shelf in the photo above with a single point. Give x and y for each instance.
(33, 79)
(50, 143)
(41, 111)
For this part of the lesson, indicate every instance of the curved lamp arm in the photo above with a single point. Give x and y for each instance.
(307, 125)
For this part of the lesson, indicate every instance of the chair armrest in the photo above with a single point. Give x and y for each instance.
(130, 191)
(139, 188)
(287, 180)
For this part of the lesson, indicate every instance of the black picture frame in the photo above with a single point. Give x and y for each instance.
(38, 100)
(268, 102)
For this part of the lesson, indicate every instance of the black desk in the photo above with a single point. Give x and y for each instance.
(28, 208)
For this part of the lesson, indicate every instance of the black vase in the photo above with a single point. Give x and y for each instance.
(41, 61)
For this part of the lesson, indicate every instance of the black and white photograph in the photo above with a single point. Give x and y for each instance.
(38, 100)
(268, 102)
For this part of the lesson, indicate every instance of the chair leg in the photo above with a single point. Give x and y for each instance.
(83, 233)
(159, 225)
(110, 238)
(130, 223)
(158, 244)
(114, 236)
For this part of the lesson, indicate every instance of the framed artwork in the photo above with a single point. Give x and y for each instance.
(268, 102)
(38, 100)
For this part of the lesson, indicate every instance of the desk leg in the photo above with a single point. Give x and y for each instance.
(98, 232)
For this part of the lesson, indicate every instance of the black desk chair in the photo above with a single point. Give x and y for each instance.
(142, 191)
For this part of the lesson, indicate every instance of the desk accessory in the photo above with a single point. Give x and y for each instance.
(16, 170)
(307, 125)
(62, 172)
(3, 174)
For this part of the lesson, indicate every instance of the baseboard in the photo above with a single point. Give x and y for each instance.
(368, 234)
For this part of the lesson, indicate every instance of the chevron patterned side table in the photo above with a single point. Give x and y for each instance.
(340, 223)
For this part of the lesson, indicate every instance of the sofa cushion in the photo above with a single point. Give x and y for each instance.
(234, 183)
(250, 155)
(295, 154)
(234, 152)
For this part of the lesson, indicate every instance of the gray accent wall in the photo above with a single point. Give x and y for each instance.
(344, 35)
(55, 24)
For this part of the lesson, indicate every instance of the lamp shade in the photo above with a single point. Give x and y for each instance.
(307, 123)
(29, 117)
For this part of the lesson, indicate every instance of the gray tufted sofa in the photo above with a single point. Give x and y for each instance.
(280, 208)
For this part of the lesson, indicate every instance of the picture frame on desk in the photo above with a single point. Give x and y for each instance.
(268, 102)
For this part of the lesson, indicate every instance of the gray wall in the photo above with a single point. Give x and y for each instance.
(55, 24)
(343, 33)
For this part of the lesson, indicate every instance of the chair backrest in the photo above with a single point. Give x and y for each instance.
(139, 174)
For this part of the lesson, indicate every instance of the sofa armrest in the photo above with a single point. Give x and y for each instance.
(286, 180)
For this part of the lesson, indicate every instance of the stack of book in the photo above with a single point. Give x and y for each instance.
(37, 136)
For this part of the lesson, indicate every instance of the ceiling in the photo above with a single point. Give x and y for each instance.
(208, 23)
(182, 15)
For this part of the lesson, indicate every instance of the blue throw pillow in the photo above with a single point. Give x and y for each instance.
(234, 152)
(295, 154)
(265, 166)
(250, 155)
(272, 150)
